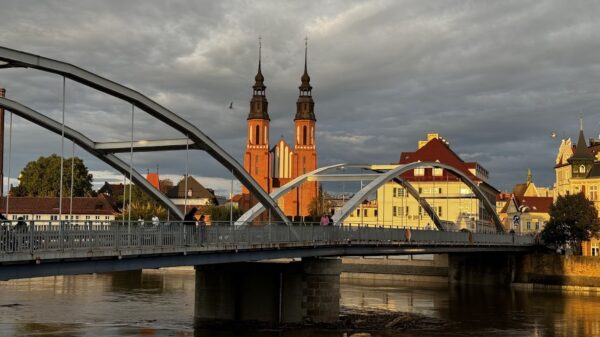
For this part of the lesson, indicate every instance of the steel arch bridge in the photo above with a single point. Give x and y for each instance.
(195, 138)
(378, 180)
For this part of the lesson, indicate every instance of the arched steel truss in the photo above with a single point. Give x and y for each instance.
(361, 195)
(255, 211)
(15, 58)
(88, 145)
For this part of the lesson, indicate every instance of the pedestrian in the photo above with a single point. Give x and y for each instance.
(202, 225)
(189, 221)
(141, 222)
(155, 220)
(330, 219)
(21, 229)
(324, 220)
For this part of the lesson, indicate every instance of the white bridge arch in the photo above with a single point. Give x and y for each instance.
(377, 182)
(257, 209)
(104, 151)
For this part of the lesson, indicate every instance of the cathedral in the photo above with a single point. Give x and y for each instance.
(274, 166)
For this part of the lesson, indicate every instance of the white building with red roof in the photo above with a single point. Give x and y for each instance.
(44, 210)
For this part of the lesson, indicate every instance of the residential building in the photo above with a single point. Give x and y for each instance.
(577, 170)
(190, 193)
(45, 210)
(453, 201)
(526, 211)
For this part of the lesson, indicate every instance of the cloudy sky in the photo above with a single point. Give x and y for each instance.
(494, 78)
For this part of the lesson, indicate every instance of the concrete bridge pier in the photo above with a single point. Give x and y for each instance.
(481, 268)
(308, 290)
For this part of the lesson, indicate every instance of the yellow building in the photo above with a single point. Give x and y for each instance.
(577, 170)
(453, 201)
(526, 211)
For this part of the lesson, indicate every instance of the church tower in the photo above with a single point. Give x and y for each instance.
(305, 142)
(256, 157)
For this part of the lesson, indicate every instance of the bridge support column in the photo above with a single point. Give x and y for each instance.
(481, 268)
(268, 292)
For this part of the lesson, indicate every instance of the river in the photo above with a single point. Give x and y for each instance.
(161, 303)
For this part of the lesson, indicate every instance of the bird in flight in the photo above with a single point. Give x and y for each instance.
(231, 105)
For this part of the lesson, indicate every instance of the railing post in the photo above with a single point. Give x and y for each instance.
(31, 229)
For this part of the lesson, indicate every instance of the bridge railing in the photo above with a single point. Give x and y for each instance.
(118, 235)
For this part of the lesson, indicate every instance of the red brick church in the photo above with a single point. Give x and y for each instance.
(274, 166)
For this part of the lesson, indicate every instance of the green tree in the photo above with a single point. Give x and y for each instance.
(143, 209)
(573, 219)
(142, 205)
(222, 213)
(41, 178)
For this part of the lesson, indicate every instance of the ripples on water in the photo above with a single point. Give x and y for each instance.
(161, 303)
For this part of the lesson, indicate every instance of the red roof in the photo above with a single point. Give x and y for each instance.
(503, 196)
(535, 204)
(49, 205)
(436, 150)
(153, 179)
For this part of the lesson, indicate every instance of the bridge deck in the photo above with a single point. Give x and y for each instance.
(59, 250)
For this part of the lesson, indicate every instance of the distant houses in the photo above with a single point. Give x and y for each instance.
(42, 210)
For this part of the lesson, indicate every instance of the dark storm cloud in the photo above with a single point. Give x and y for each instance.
(494, 78)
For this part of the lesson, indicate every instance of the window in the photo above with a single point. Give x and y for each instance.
(304, 135)
(375, 212)
(528, 225)
(407, 209)
(594, 192)
(256, 164)
(394, 192)
(419, 172)
(437, 172)
(365, 212)
(394, 211)
(440, 190)
(358, 212)
(582, 169)
(257, 135)
(420, 190)
(537, 226)
(87, 217)
(189, 193)
(420, 211)
(439, 211)
(401, 192)
(54, 217)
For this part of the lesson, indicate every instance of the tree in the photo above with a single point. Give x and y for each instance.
(321, 204)
(223, 213)
(142, 205)
(573, 219)
(143, 209)
(41, 178)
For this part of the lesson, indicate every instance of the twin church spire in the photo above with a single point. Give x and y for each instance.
(304, 105)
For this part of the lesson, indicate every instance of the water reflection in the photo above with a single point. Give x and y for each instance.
(160, 303)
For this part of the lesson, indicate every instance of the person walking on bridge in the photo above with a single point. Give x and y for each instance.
(189, 222)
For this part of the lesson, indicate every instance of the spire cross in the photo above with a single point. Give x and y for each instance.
(580, 120)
